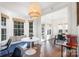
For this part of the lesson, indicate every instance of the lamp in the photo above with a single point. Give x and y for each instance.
(34, 10)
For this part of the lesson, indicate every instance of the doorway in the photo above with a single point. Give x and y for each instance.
(53, 22)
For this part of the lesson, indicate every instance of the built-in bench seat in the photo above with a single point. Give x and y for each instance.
(12, 47)
(16, 41)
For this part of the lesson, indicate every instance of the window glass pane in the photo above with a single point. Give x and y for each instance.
(18, 23)
(3, 21)
(3, 34)
(18, 28)
(30, 28)
(22, 26)
(15, 26)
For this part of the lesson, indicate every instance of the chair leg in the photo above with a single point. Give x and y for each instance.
(68, 52)
(76, 52)
(54, 42)
(72, 53)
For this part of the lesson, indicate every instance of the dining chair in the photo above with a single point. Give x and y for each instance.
(72, 43)
(7, 45)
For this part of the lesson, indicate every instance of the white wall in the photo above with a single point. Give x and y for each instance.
(72, 15)
(0, 28)
(37, 28)
(26, 28)
(78, 39)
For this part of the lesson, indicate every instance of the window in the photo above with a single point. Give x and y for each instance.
(18, 28)
(60, 30)
(49, 32)
(43, 25)
(30, 28)
(3, 21)
(3, 34)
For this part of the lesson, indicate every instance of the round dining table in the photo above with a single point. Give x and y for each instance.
(31, 50)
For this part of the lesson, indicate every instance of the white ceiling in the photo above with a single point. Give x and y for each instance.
(59, 16)
(22, 7)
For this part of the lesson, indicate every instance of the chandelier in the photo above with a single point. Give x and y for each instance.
(34, 10)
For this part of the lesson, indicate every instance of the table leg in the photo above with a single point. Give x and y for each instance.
(61, 50)
(30, 45)
(30, 51)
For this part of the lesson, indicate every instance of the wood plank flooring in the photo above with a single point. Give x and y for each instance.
(47, 49)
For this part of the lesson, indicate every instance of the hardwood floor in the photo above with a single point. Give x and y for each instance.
(47, 49)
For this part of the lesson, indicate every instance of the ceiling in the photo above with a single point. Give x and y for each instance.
(55, 17)
(22, 7)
